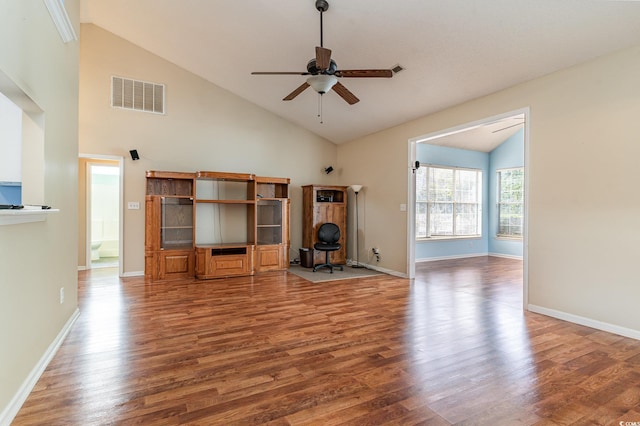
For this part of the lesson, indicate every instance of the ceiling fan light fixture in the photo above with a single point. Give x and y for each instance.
(322, 83)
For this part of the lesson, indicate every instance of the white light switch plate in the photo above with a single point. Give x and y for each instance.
(133, 205)
(403, 207)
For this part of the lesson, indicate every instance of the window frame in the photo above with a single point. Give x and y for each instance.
(499, 203)
(427, 205)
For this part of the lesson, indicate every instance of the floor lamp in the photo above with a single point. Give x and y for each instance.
(356, 189)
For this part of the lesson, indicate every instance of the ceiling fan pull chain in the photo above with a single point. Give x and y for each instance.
(320, 108)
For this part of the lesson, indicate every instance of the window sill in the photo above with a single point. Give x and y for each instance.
(508, 238)
(465, 237)
(26, 215)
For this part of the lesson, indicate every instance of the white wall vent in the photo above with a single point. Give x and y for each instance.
(137, 95)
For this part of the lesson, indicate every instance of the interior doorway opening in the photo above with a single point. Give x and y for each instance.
(104, 222)
(100, 212)
(450, 147)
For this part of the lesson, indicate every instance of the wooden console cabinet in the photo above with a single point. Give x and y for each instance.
(322, 204)
(214, 224)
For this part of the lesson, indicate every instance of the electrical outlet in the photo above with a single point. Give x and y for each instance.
(61, 295)
(376, 253)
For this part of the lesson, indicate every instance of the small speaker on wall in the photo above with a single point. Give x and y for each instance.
(134, 154)
(328, 170)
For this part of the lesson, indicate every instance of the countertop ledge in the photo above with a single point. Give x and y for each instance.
(26, 215)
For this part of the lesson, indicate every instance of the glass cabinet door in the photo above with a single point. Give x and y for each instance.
(269, 222)
(176, 229)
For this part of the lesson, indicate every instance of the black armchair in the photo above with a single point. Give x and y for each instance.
(328, 236)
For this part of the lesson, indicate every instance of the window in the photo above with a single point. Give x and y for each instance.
(510, 202)
(448, 202)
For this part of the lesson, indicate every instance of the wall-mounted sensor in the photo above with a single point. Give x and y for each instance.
(134, 154)
(328, 170)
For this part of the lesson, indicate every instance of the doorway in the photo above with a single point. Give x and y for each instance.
(468, 137)
(100, 213)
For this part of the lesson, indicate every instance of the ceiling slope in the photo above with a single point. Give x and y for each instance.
(452, 51)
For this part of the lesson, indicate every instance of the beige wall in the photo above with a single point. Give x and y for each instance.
(205, 128)
(36, 259)
(584, 202)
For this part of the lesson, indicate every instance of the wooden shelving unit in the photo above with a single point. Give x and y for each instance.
(214, 224)
(225, 210)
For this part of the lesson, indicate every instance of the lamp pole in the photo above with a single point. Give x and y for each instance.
(356, 189)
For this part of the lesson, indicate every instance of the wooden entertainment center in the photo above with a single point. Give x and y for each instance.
(215, 224)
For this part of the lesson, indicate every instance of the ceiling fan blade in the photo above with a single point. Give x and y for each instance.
(364, 73)
(323, 57)
(345, 94)
(296, 92)
(279, 73)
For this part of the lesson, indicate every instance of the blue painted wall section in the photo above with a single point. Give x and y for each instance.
(508, 154)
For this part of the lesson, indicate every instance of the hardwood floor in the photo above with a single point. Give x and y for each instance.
(454, 347)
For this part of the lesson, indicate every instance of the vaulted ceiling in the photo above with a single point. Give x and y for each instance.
(451, 51)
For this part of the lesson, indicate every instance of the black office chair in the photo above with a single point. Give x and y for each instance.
(328, 236)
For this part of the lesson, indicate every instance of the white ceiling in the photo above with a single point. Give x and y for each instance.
(452, 50)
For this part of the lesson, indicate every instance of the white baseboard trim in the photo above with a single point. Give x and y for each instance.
(133, 274)
(455, 256)
(576, 319)
(10, 411)
(384, 270)
(506, 256)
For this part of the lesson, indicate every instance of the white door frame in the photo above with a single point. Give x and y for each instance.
(411, 217)
(120, 161)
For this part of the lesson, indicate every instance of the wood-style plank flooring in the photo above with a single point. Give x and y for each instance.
(453, 347)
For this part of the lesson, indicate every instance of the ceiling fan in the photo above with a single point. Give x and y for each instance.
(324, 71)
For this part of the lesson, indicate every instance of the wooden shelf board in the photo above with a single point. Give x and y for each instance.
(226, 201)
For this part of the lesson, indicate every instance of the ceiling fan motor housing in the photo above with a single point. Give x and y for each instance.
(313, 69)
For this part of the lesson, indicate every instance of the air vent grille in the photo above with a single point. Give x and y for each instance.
(137, 95)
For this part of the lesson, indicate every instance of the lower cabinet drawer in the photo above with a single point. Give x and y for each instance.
(215, 263)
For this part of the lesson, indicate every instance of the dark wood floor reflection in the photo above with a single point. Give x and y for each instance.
(453, 347)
